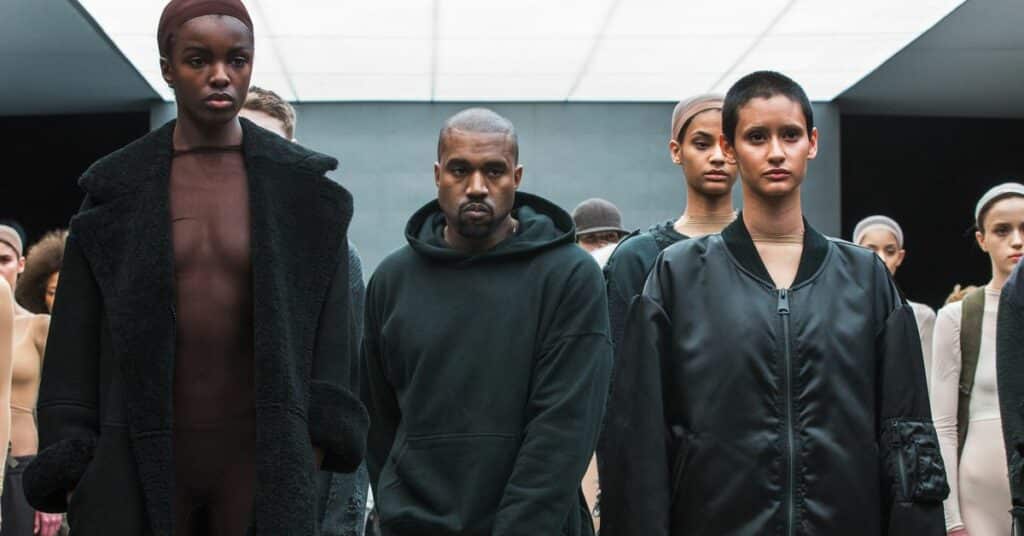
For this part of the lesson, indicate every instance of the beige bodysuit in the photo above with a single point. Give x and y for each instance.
(979, 498)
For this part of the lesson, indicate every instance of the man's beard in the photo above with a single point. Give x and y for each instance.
(479, 229)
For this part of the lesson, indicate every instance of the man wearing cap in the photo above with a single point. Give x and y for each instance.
(884, 236)
(198, 375)
(598, 228)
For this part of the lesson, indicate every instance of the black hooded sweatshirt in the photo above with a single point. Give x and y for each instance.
(487, 377)
(1010, 372)
(744, 410)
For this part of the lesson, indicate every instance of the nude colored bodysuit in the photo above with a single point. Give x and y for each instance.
(214, 382)
(979, 497)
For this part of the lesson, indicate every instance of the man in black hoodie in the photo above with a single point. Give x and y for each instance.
(487, 353)
(771, 379)
(1009, 361)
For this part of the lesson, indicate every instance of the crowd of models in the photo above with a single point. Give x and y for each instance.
(198, 355)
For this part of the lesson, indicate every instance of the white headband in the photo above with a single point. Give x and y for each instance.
(998, 191)
(878, 222)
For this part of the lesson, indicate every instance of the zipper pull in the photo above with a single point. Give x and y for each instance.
(783, 301)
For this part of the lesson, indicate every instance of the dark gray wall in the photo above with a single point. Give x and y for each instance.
(618, 151)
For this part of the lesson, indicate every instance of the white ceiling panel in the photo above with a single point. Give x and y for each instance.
(616, 50)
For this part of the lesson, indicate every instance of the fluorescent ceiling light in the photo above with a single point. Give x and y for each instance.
(587, 50)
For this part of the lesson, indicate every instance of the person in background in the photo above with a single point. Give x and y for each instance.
(964, 395)
(38, 284)
(30, 332)
(598, 228)
(6, 366)
(486, 388)
(342, 496)
(884, 236)
(1010, 370)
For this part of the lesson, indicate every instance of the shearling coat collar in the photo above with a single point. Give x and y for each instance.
(124, 229)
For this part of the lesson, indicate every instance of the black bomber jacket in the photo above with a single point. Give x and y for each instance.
(741, 409)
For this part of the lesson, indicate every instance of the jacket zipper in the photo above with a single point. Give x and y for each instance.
(783, 309)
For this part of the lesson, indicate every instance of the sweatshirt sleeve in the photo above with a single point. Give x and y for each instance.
(635, 486)
(945, 398)
(378, 395)
(569, 388)
(337, 418)
(914, 480)
(1010, 372)
(68, 402)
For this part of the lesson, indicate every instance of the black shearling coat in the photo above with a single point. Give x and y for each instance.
(105, 404)
(1010, 372)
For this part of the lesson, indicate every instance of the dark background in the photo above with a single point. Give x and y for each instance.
(928, 174)
(44, 156)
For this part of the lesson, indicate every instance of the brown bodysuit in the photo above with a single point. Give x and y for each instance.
(214, 382)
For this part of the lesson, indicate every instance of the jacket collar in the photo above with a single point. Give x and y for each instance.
(122, 173)
(741, 246)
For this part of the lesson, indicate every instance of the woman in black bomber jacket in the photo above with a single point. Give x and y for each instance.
(771, 380)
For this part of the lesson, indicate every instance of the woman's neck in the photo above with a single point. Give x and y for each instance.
(773, 217)
(705, 214)
(998, 279)
(188, 134)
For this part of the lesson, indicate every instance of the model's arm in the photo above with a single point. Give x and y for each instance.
(945, 399)
(69, 391)
(1010, 372)
(635, 487)
(337, 419)
(379, 396)
(6, 364)
(569, 388)
(914, 480)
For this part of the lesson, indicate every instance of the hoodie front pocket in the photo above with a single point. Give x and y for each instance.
(449, 482)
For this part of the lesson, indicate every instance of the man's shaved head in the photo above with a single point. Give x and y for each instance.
(481, 121)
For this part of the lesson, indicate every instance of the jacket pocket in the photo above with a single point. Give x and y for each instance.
(448, 482)
(913, 463)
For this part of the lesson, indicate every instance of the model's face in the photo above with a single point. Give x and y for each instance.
(1003, 235)
(886, 246)
(772, 146)
(265, 120)
(476, 180)
(51, 290)
(699, 154)
(595, 241)
(11, 264)
(209, 68)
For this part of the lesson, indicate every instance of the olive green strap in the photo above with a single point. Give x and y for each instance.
(970, 348)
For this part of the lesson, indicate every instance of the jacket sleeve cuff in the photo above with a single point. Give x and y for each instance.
(338, 423)
(55, 471)
(912, 461)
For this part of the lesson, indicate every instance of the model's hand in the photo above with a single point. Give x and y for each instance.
(47, 524)
(959, 532)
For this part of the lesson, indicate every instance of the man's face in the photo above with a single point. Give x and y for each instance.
(477, 178)
(265, 120)
(772, 146)
(704, 165)
(209, 68)
(886, 246)
(594, 241)
(11, 264)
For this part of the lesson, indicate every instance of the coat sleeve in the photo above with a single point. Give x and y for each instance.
(635, 486)
(914, 479)
(569, 388)
(378, 394)
(337, 419)
(1010, 371)
(68, 405)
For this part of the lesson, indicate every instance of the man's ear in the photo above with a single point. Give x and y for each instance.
(518, 175)
(165, 71)
(437, 174)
